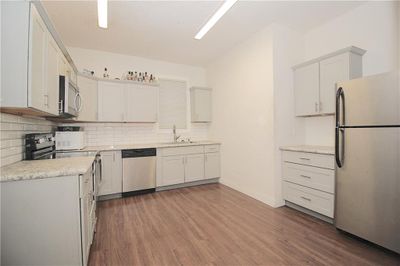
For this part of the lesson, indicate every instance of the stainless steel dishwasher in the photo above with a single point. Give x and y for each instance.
(138, 171)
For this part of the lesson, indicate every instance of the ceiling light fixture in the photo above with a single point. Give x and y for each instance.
(214, 19)
(102, 6)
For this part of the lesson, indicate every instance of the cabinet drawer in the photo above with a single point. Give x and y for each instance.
(309, 176)
(305, 158)
(211, 148)
(182, 150)
(309, 198)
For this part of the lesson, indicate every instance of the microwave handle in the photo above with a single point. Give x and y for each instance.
(78, 102)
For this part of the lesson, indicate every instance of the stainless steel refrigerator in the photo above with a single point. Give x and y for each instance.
(367, 147)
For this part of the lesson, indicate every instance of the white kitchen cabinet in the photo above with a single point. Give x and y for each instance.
(194, 167)
(88, 91)
(173, 170)
(111, 101)
(86, 204)
(200, 101)
(315, 80)
(309, 180)
(52, 76)
(30, 80)
(111, 180)
(37, 58)
(212, 165)
(306, 82)
(140, 103)
(47, 219)
(177, 165)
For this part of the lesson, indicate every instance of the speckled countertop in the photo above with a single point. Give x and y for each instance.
(310, 148)
(39, 169)
(147, 145)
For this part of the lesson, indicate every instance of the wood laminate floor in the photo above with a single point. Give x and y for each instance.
(216, 225)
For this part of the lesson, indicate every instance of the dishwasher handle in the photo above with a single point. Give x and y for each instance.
(139, 153)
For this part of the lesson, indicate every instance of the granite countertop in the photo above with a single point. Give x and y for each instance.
(330, 150)
(147, 145)
(39, 169)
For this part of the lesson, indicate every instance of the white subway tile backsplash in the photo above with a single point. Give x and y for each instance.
(131, 133)
(12, 135)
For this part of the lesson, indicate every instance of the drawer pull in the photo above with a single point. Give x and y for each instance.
(305, 176)
(306, 159)
(307, 199)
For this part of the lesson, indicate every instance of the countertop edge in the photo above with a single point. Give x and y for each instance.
(325, 150)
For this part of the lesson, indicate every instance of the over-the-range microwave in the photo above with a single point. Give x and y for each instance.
(70, 99)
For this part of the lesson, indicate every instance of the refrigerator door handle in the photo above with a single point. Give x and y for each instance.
(339, 130)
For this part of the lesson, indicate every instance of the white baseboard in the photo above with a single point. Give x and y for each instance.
(263, 198)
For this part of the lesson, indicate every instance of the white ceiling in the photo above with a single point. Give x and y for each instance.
(164, 30)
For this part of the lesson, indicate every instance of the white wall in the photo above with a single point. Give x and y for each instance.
(288, 130)
(117, 64)
(371, 26)
(242, 82)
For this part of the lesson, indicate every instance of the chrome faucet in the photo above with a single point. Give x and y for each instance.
(175, 136)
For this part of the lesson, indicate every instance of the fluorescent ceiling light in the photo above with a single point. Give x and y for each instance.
(214, 19)
(102, 13)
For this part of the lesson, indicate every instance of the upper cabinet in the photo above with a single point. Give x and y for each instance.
(315, 81)
(33, 60)
(111, 98)
(200, 101)
(140, 103)
(88, 91)
(127, 102)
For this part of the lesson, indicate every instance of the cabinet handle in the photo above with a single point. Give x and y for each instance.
(304, 198)
(46, 100)
(305, 176)
(316, 107)
(183, 160)
(320, 106)
(306, 159)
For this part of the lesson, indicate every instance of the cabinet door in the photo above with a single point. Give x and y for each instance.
(140, 103)
(52, 84)
(212, 165)
(173, 170)
(111, 101)
(306, 90)
(111, 178)
(37, 93)
(62, 64)
(201, 104)
(85, 204)
(88, 91)
(194, 167)
(332, 70)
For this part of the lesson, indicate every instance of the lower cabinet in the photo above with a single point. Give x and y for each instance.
(309, 181)
(186, 164)
(194, 167)
(47, 221)
(111, 178)
(173, 170)
(212, 165)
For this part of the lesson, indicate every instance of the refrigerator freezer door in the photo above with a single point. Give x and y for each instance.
(372, 100)
(368, 185)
